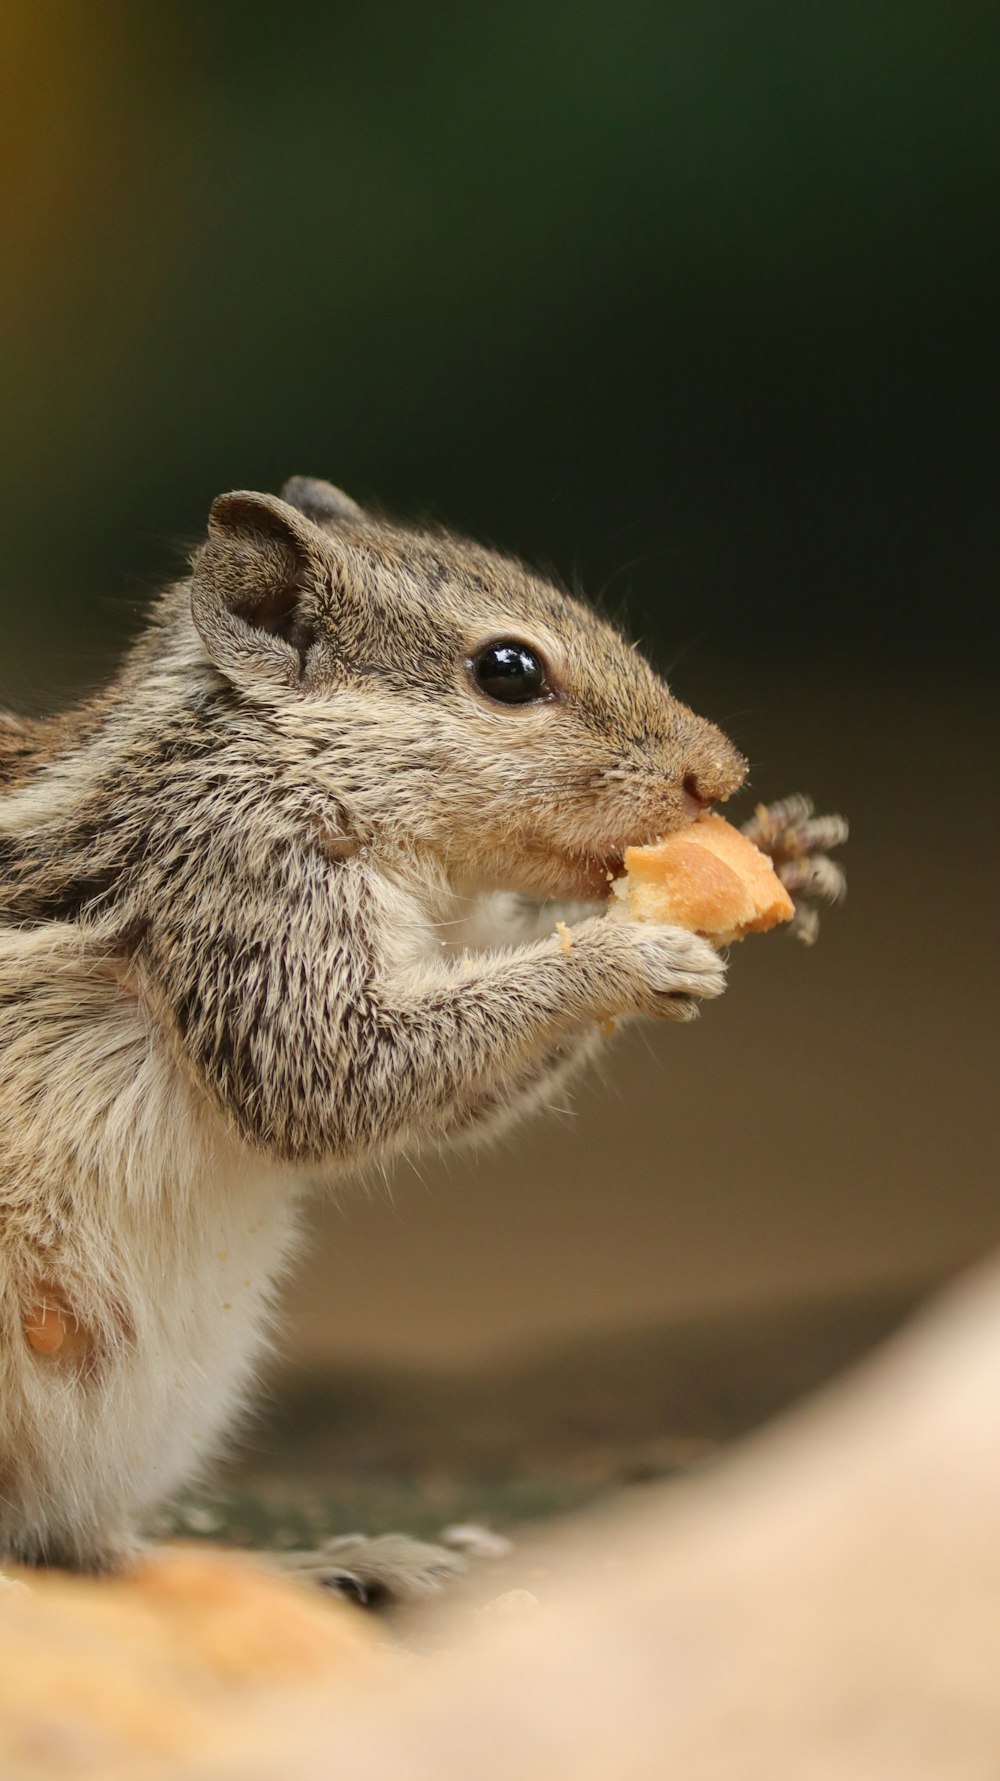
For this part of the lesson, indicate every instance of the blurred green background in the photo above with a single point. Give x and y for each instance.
(696, 303)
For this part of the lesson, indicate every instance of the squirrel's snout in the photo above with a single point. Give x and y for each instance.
(715, 769)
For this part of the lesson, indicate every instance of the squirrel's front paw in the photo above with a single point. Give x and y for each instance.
(672, 968)
(798, 843)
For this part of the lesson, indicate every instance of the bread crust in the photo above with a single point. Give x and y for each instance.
(709, 878)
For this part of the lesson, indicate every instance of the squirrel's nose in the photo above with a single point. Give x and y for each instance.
(717, 772)
(693, 788)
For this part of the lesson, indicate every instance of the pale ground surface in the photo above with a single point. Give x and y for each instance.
(825, 1605)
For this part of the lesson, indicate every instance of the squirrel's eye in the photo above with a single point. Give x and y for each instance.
(511, 673)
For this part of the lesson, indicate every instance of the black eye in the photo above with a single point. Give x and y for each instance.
(510, 673)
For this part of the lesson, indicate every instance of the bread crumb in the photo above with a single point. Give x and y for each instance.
(565, 937)
(608, 1027)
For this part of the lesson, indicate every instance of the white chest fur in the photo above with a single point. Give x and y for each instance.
(160, 1232)
(86, 1446)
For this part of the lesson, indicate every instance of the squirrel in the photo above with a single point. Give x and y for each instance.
(278, 903)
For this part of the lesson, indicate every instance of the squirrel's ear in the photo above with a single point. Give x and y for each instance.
(254, 588)
(321, 502)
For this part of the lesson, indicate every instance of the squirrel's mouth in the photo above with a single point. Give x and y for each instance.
(561, 875)
(603, 868)
(597, 871)
(589, 875)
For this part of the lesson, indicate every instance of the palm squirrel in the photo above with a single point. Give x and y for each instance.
(278, 903)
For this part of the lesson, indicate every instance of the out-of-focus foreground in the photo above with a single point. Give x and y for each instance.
(825, 1603)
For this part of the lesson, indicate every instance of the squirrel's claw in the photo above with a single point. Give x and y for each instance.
(797, 842)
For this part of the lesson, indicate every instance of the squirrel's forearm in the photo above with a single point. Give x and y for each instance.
(533, 1087)
(541, 1084)
(456, 1050)
(320, 1047)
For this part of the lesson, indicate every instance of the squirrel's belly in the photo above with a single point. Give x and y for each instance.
(94, 1431)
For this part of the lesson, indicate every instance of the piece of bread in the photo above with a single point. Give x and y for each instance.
(707, 877)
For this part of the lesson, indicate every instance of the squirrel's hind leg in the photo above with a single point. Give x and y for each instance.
(376, 1573)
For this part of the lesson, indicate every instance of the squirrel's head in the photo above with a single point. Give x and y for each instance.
(444, 698)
